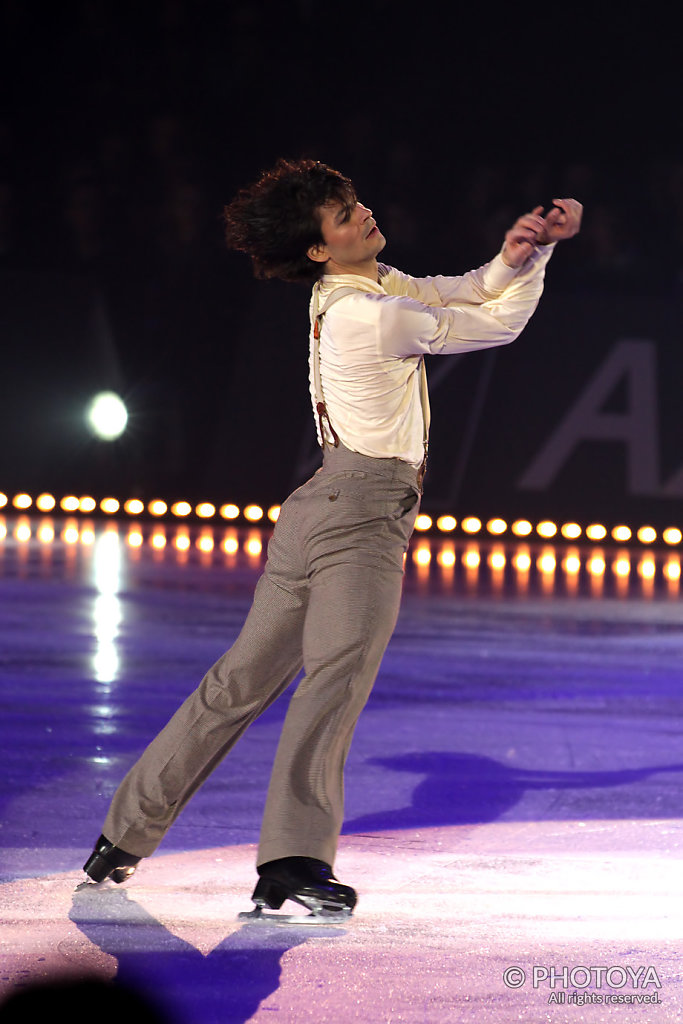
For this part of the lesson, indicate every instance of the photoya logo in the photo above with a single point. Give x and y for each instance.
(568, 985)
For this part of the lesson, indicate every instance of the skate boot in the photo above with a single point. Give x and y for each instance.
(108, 861)
(306, 881)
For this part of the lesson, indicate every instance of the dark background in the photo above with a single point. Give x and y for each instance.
(124, 129)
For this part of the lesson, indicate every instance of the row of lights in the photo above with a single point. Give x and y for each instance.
(74, 533)
(546, 563)
(471, 558)
(471, 525)
(547, 529)
(135, 507)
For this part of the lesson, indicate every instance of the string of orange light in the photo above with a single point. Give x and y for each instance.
(253, 513)
(426, 552)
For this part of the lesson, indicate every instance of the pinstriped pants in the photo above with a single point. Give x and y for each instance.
(328, 600)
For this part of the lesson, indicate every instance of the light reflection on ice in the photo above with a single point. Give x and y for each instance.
(107, 609)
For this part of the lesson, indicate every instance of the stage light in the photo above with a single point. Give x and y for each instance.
(572, 564)
(471, 524)
(182, 542)
(522, 562)
(110, 506)
(134, 538)
(422, 556)
(205, 543)
(45, 502)
(22, 501)
(423, 522)
(646, 568)
(274, 513)
(230, 545)
(69, 503)
(107, 416)
(646, 535)
(546, 529)
(596, 565)
(134, 507)
(87, 504)
(547, 563)
(3, 500)
(23, 532)
(497, 560)
(621, 533)
(446, 558)
(446, 523)
(157, 507)
(522, 528)
(570, 531)
(229, 511)
(70, 534)
(672, 570)
(672, 535)
(205, 510)
(87, 536)
(253, 547)
(596, 531)
(3, 531)
(621, 567)
(253, 513)
(158, 541)
(181, 508)
(46, 533)
(496, 526)
(471, 559)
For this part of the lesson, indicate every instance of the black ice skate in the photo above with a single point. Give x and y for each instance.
(306, 881)
(108, 861)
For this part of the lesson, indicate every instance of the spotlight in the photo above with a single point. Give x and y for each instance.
(205, 510)
(229, 511)
(496, 526)
(107, 416)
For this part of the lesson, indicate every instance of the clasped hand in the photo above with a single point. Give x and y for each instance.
(562, 221)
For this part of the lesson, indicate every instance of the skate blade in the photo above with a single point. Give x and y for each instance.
(318, 917)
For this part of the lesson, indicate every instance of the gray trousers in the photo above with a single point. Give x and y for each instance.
(328, 600)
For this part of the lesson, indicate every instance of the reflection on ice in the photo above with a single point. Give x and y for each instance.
(107, 611)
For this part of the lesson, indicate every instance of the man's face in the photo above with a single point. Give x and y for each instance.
(351, 238)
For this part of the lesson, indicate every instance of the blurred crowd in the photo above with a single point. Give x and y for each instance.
(129, 126)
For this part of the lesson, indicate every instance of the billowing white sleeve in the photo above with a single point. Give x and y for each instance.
(474, 287)
(487, 307)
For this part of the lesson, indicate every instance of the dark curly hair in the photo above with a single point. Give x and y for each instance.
(277, 219)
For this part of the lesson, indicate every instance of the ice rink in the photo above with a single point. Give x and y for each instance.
(513, 792)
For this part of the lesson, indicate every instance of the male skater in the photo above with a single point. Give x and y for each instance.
(329, 595)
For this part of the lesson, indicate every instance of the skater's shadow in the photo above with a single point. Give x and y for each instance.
(462, 789)
(225, 987)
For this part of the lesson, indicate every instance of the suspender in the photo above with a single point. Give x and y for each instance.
(321, 408)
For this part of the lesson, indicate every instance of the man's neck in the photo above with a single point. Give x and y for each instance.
(368, 268)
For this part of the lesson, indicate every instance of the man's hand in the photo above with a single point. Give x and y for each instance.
(562, 221)
(523, 236)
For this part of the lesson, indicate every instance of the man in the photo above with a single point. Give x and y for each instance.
(329, 595)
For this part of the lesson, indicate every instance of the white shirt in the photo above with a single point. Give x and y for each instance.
(372, 342)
